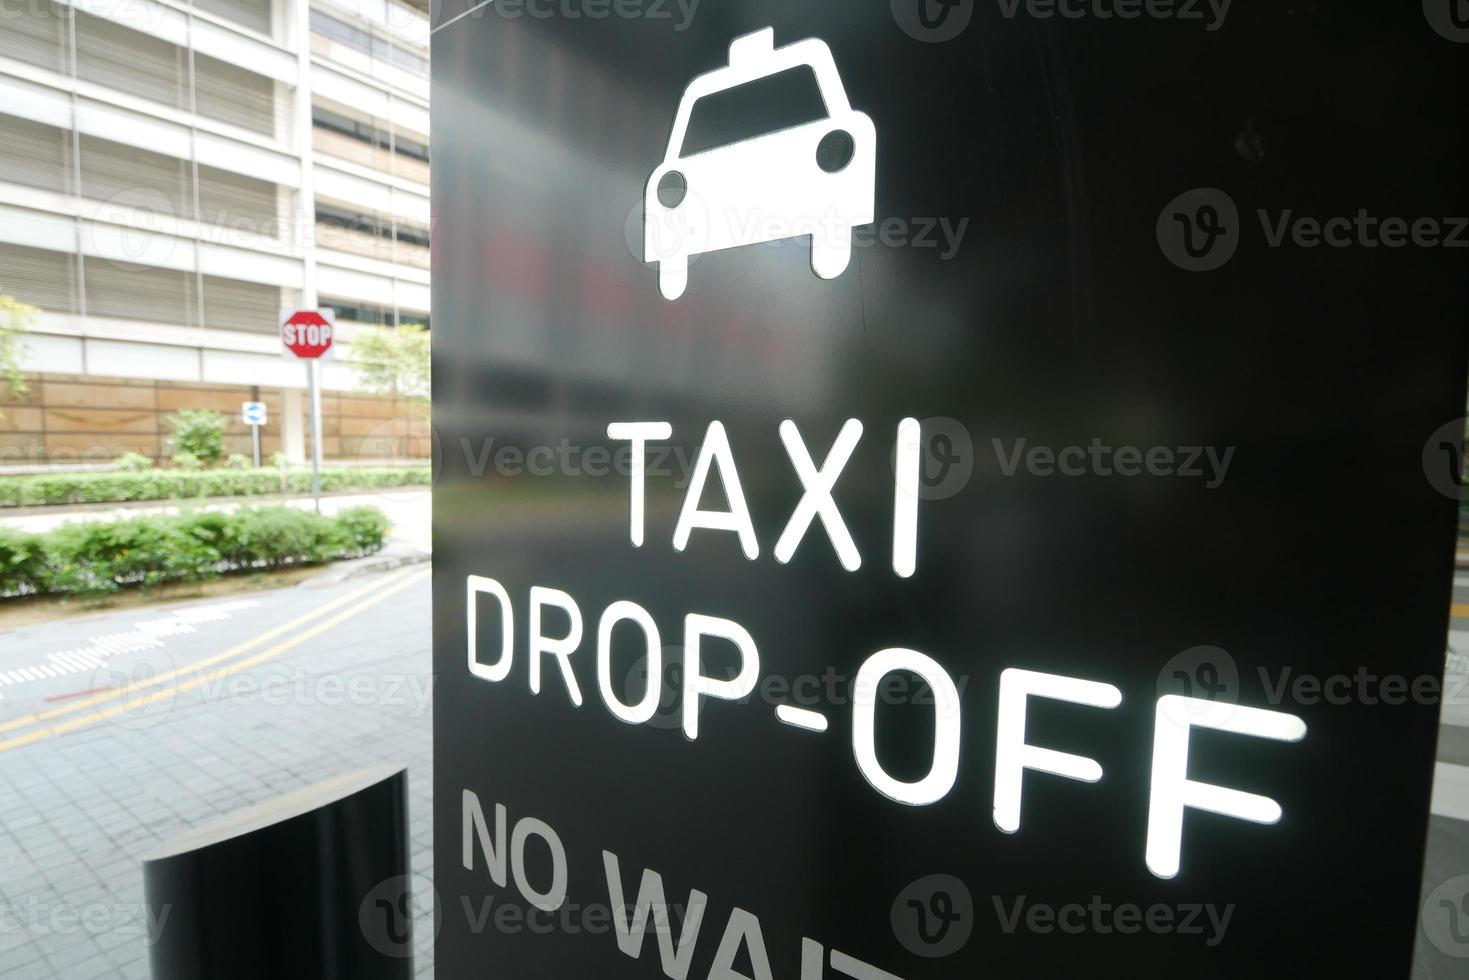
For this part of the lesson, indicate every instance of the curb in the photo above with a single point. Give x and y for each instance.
(343, 571)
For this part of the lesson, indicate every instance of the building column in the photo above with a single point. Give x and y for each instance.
(293, 426)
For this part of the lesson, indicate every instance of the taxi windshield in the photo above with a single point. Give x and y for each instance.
(787, 98)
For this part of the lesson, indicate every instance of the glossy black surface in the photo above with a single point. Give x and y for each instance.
(310, 886)
(1057, 319)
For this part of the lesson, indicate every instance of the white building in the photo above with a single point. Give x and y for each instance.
(172, 175)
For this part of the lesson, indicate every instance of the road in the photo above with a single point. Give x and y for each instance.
(123, 730)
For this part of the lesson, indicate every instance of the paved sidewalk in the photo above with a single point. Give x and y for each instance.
(79, 809)
(1446, 864)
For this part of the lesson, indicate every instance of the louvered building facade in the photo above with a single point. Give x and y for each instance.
(174, 173)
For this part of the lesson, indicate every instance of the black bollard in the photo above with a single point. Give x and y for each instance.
(311, 886)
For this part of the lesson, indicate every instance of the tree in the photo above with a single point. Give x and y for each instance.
(393, 361)
(199, 433)
(15, 322)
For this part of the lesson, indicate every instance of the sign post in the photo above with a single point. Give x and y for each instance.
(308, 335)
(882, 537)
(253, 414)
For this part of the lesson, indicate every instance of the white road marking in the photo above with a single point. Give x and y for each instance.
(61, 663)
(145, 635)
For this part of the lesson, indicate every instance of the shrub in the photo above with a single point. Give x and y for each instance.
(105, 488)
(238, 461)
(104, 556)
(278, 460)
(198, 432)
(132, 463)
(275, 536)
(21, 566)
(361, 530)
(215, 532)
(187, 462)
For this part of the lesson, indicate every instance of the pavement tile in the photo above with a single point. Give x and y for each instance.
(79, 811)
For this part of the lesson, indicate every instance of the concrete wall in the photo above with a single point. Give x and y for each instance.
(66, 418)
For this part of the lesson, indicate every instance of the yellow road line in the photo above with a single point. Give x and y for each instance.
(381, 593)
(234, 651)
(1459, 610)
(379, 589)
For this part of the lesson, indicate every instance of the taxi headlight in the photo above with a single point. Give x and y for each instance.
(672, 189)
(835, 151)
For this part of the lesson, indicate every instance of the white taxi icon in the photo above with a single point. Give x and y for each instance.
(817, 178)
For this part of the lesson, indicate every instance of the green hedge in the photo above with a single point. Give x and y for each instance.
(104, 556)
(119, 487)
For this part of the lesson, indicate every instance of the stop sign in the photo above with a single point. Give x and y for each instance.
(307, 334)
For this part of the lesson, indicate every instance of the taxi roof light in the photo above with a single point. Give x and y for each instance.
(760, 43)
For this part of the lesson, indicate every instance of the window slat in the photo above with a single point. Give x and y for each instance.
(35, 32)
(234, 95)
(254, 14)
(134, 177)
(39, 277)
(131, 292)
(230, 304)
(131, 61)
(35, 154)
